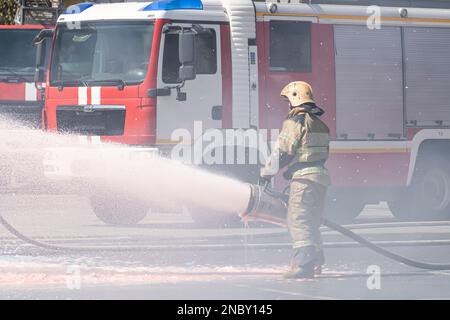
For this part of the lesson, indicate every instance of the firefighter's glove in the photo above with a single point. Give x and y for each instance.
(264, 180)
(287, 175)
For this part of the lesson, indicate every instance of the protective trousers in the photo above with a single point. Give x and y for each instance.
(305, 212)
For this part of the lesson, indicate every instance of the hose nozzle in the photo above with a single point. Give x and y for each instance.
(265, 207)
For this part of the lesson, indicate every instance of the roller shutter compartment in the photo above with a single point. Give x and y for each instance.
(369, 83)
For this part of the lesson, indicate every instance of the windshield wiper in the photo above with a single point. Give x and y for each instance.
(121, 84)
(63, 83)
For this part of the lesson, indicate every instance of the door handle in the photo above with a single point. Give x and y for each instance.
(217, 112)
(158, 92)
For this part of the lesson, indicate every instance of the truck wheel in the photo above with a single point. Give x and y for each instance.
(343, 210)
(118, 212)
(400, 206)
(428, 197)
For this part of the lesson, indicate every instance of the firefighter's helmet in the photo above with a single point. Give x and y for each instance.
(298, 93)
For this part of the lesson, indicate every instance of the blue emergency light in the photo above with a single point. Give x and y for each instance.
(78, 8)
(175, 5)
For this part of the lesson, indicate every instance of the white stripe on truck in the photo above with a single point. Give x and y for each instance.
(30, 92)
(96, 95)
(82, 96)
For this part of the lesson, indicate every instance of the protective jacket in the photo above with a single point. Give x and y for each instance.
(302, 146)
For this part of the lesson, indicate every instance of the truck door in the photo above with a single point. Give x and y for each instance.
(204, 93)
(297, 50)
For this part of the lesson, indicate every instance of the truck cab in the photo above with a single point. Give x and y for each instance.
(19, 99)
(117, 62)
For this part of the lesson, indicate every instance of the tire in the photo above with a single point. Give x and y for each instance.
(118, 212)
(428, 196)
(343, 209)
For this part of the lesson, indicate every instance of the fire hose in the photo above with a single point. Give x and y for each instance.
(265, 205)
(271, 206)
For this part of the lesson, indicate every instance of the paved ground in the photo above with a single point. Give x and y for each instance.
(168, 257)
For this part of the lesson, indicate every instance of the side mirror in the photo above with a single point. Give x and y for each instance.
(40, 72)
(42, 35)
(41, 53)
(187, 72)
(39, 77)
(186, 46)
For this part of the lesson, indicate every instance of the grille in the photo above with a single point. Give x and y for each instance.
(91, 120)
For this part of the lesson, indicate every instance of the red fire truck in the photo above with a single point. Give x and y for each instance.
(136, 72)
(19, 98)
(20, 101)
(18, 95)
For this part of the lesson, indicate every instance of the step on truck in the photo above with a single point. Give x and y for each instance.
(150, 74)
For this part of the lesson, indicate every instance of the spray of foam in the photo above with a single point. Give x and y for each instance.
(109, 169)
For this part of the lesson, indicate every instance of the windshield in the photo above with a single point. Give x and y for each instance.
(102, 52)
(17, 53)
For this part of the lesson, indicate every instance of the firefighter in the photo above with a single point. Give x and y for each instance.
(302, 146)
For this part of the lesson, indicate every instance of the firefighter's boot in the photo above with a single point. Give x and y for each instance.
(320, 261)
(303, 263)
